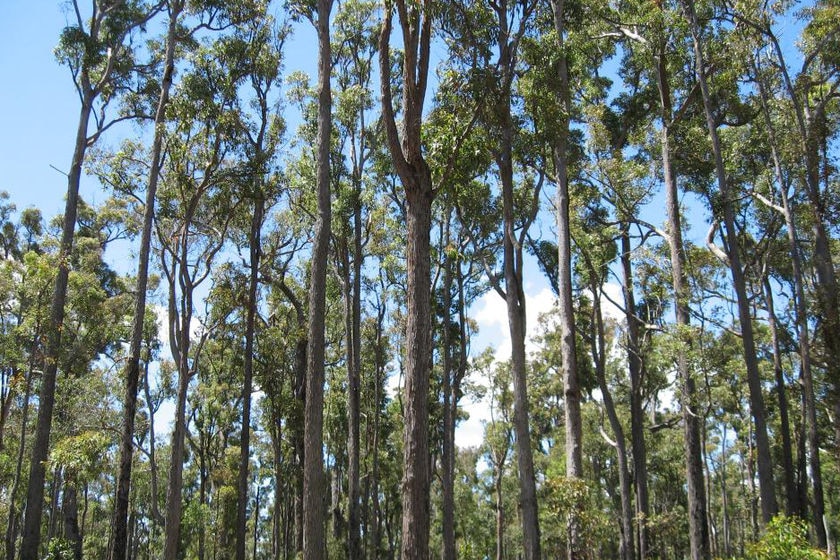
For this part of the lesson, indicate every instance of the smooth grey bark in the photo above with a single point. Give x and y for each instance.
(698, 517)
(598, 344)
(513, 293)
(568, 355)
(791, 501)
(119, 528)
(314, 536)
(405, 147)
(769, 505)
(800, 307)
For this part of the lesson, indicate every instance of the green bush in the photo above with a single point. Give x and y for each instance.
(786, 538)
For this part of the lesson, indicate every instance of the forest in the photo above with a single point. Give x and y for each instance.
(259, 342)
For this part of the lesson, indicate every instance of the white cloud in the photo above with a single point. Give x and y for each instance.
(490, 312)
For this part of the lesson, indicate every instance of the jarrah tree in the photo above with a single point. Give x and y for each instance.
(314, 538)
(132, 367)
(97, 48)
(769, 505)
(405, 146)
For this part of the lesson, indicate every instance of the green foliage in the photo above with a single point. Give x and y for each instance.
(785, 538)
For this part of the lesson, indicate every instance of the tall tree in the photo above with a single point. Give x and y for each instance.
(132, 367)
(769, 506)
(314, 537)
(405, 146)
(98, 51)
(568, 355)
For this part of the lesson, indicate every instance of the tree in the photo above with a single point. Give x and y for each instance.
(769, 506)
(407, 155)
(99, 53)
(314, 539)
(132, 367)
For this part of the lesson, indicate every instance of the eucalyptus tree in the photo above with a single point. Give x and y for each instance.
(98, 48)
(406, 149)
(650, 51)
(769, 505)
(195, 199)
(355, 47)
(132, 367)
(263, 133)
(510, 25)
(314, 538)
(560, 154)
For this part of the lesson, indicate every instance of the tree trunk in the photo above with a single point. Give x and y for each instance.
(70, 510)
(803, 335)
(448, 455)
(119, 520)
(247, 382)
(571, 388)
(781, 390)
(14, 514)
(46, 400)
(698, 524)
(626, 548)
(515, 298)
(415, 176)
(769, 506)
(314, 537)
(354, 370)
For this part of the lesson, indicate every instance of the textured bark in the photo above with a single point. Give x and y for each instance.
(46, 399)
(769, 506)
(698, 518)
(248, 374)
(354, 374)
(448, 454)
(70, 511)
(314, 537)
(119, 528)
(405, 147)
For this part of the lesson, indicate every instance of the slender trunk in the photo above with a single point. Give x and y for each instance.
(626, 548)
(314, 537)
(500, 514)
(810, 412)
(172, 524)
(353, 384)
(515, 300)
(14, 514)
(571, 388)
(157, 517)
(698, 524)
(248, 374)
(46, 400)
(769, 506)
(637, 419)
(119, 527)
(781, 390)
(448, 455)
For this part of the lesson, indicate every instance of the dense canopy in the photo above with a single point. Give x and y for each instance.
(271, 336)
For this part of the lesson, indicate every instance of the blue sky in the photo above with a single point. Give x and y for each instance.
(38, 107)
